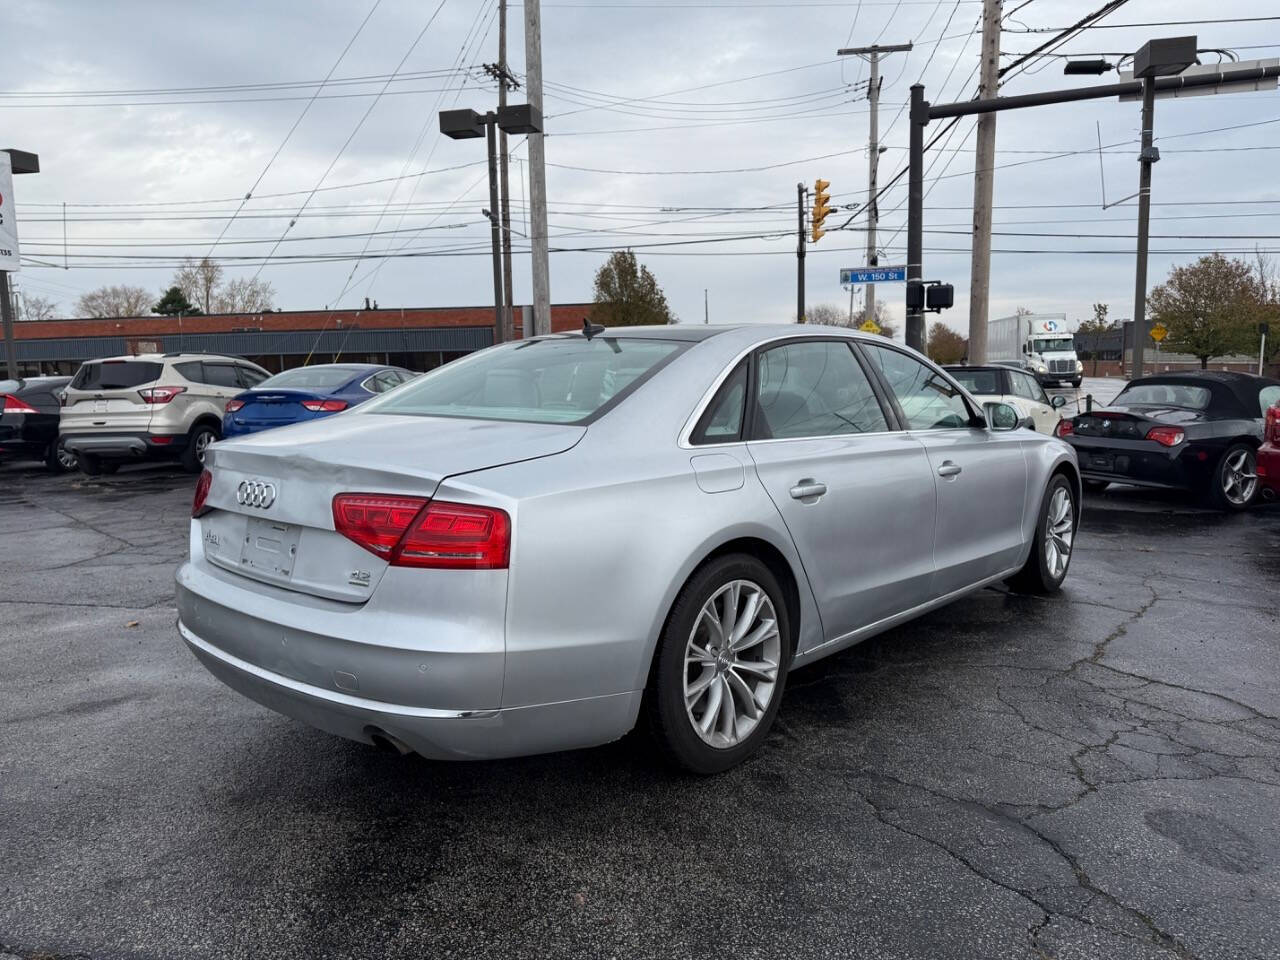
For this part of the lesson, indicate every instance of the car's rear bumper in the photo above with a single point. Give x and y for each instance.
(136, 446)
(1143, 463)
(358, 673)
(1269, 468)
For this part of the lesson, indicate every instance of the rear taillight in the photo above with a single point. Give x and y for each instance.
(14, 405)
(234, 405)
(160, 394)
(1272, 429)
(325, 406)
(1166, 436)
(415, 532)
(198, 509)
(1065, 428)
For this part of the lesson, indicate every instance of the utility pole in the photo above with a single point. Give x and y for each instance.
(506, 81)
(872, 54)
(983, 185)
(1146, 158)
(499, 304)
(537, 172)
(800, 198)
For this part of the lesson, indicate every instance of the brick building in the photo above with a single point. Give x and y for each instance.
(418, 338)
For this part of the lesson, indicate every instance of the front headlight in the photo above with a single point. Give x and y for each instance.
(1041, 368)
(1079, 366)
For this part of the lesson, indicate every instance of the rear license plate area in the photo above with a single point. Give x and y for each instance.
(1102, 461)
(269, 548)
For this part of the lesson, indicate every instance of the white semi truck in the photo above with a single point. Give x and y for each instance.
(1040, 343)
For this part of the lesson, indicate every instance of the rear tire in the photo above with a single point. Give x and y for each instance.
(1233, 485)
(1054, 541)
(92, 465)
(1076, 383)
(712, 698)
(58, 459)
(197, 443)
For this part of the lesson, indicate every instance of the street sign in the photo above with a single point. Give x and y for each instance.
(1159, 332)
(852, 275)
(869, 326)
(8, 217)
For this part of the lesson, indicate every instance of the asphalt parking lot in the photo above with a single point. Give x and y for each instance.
(1091, 775)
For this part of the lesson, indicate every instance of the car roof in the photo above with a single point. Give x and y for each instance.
(957, 367)
(161, 357)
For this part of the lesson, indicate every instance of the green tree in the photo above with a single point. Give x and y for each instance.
(1096, 326)
(627, 295)
(174, 302)
(945, 345)
(1210, 307)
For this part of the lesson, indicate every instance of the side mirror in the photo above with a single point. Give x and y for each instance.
(1001, 416)
(1058, 400)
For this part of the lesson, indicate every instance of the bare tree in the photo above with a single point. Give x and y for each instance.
(244, 295)
(32, 307)
(115, 301)
(834, 316)
(199, 281)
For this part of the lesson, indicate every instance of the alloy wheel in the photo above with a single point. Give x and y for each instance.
(731, 663)
(66, 459)
(1059, 532)
(1239, 477)
(203, 439)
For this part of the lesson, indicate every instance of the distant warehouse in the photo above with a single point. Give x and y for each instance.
(419, 338)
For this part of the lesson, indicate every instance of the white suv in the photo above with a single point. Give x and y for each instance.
(150, 407)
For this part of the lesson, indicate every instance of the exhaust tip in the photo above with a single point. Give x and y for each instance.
(386, 742)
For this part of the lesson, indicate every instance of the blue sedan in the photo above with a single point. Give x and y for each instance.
(308, 393)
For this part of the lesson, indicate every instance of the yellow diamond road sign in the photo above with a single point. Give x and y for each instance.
(869, 326)
(1159, 332)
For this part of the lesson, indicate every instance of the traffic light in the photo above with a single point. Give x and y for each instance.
(820, 207)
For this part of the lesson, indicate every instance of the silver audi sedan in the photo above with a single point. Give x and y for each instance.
(540, 545)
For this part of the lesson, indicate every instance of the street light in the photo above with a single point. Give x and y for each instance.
(468, 125)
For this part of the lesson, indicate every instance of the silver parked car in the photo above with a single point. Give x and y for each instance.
(529, 548)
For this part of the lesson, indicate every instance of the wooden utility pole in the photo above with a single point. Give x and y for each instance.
(872, 54)
(504, 77)
(537, 172)
(983, 184)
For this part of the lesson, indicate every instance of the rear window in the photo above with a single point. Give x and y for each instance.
(978, 381)
(537, 381)
(310, 378)
(1166, 394)
(116, 374)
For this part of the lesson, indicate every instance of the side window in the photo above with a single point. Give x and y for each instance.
(928, 400)
(193, 370)
(1268, 397)
(250, 377)
(813, 388)
(1037, 391)
(1022, 386)
(721, 422)
(221, 375)
(387, 380)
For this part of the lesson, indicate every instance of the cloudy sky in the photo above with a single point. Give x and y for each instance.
(678, 128)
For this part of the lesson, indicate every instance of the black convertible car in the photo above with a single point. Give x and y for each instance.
(1195, 431)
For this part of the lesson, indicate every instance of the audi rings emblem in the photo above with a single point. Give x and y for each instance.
(256, 493)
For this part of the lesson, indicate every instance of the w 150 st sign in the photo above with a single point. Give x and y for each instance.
(855, 275)
(8, 217)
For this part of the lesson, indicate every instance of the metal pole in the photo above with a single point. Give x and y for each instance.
(540, 255)
(800, 253)
(873, 169)
(915, 218)
(1262, 353)
(491, 136)
(6, 314)
(1145, 159)
(508, 293)
(983, 186)
(706, 306)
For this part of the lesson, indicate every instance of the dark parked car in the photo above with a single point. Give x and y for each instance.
(29, 414)
(1195, 431)
(308, 393)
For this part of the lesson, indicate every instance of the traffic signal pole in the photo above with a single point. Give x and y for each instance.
(919, 113)
(1145, 159)
(800, 253)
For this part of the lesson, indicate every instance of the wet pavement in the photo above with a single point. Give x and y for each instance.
(1091, 775)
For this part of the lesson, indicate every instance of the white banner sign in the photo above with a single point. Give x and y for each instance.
(8, 217)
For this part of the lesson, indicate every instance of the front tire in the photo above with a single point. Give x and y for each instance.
(720, 667)
(1076, 383)
(197, 443)
(1054, 539)
(1234, 484)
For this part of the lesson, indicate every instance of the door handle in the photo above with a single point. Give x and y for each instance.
(807, 488)
(948, 469)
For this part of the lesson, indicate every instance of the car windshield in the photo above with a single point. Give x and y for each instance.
(978, 381)
(1166, 394)
(309, 378)
(1054, 344)
(539, 381)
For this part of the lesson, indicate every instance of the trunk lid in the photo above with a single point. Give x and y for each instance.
(104, 397)
(1132, 423)
(274, 406)
(272, 493)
